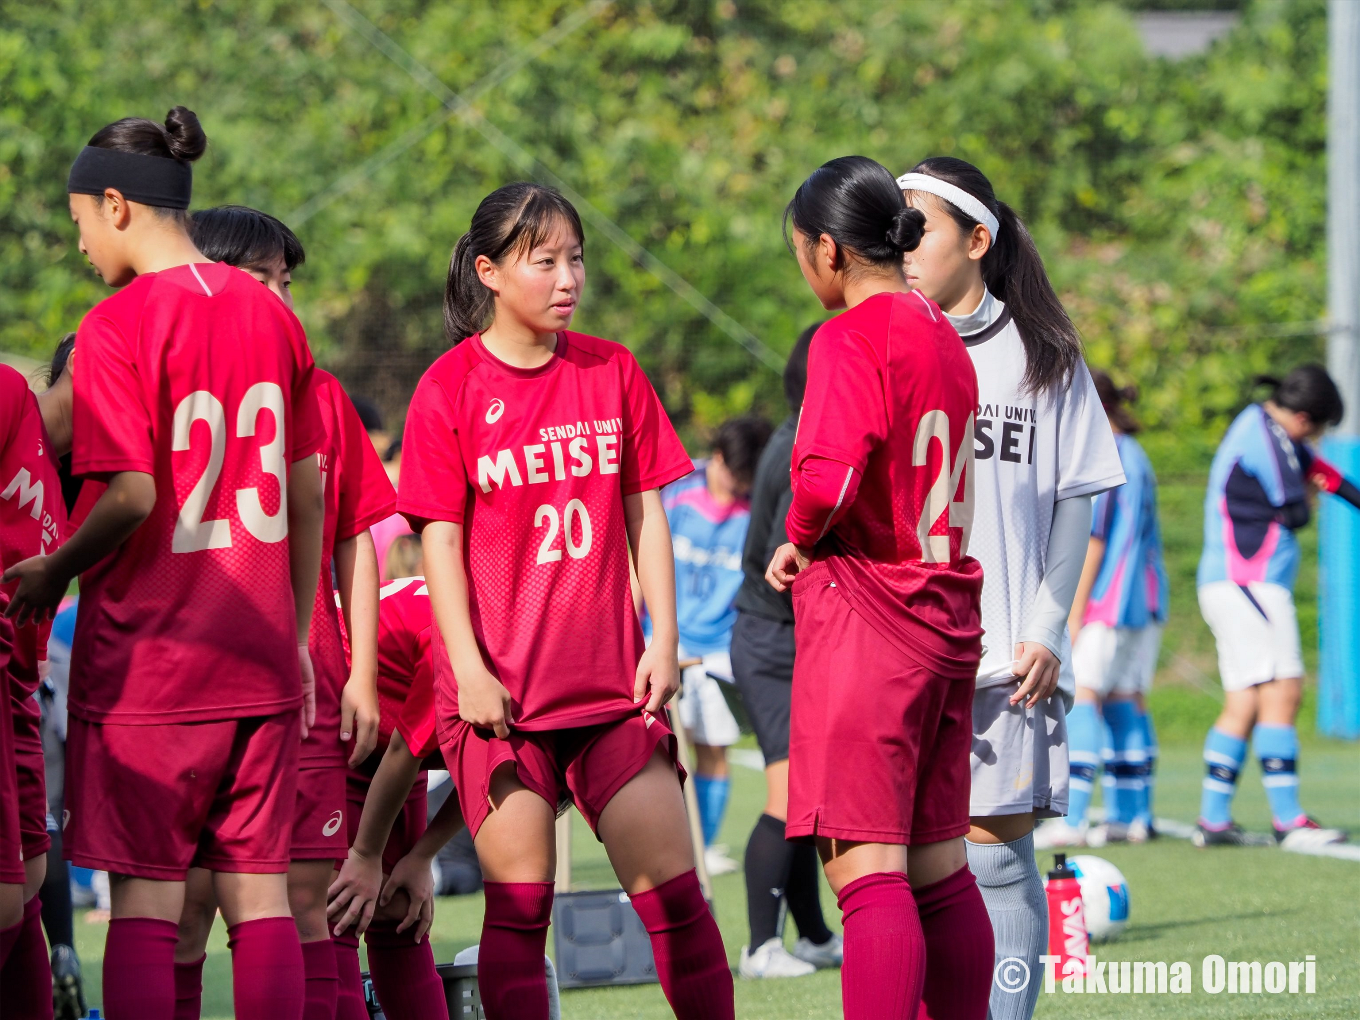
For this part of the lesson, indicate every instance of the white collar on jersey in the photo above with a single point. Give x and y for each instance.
(989, 309)
(954, 195)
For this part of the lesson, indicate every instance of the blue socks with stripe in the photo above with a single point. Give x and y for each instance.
(1145, 814)
(1083, 752)
(1127, 762)
(1278, 749)
(1223, 758)
(712, 793)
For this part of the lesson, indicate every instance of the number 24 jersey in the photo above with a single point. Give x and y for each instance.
(534, 463)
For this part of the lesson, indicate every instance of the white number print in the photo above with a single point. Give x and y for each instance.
(547, 514)
(192, 532)
(940, 499)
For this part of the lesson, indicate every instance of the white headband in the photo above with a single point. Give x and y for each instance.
(955, 196)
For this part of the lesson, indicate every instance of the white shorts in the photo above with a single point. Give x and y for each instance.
(1116, 660)
(703, 709)
(1019, 760)
(1256, 631)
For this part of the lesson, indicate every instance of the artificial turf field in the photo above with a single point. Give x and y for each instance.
(1242, 904)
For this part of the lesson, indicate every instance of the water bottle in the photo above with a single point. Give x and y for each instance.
(1067, 937)
(93, 1014)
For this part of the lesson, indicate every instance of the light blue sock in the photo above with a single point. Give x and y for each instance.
(1107, 766)
(1150, 768)
(711, 792)
(1129, 758)
(1278, 749)
(1083, 753)
(1223, 758)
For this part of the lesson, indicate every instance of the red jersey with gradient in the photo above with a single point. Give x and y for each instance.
(358, 494)
(32, 514)
(535, 465)
(406, 666)
(892, 393)
(201, 378)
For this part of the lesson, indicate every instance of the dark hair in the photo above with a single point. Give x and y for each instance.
(511, 220)
(393, 451)
(181, 137)
(368, 412)
(1114, 399)
(857, 203)
(244, 237)
(740, 441)
(1013, 270)
(60, 357)
(1308, 390)
(795, 369)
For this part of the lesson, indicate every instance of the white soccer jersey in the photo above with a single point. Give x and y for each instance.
(1031, 451)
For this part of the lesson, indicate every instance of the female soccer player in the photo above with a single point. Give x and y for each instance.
(1116, 628)
(885, 607)
(357, 494)
(190, 676)
(1043, 449)
(533, 457)
(1257, 498)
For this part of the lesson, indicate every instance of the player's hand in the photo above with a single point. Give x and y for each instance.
(40, 590)
(785, 565)
(359, 718)
(483, 701)
(1040, 668)
(354, 893)
(308, 690)
(658, 671)
(412, 875)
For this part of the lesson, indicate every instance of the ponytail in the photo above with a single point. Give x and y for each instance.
(1114, 399)
(1013, 271)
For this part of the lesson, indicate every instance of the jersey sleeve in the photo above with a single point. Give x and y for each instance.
(112, 428)
(434, 479)
(309, 434)
(653, 455)
(1102, 515)
(1088, 459)
(13, 393)
(845, 413)
(366, 494)
(416, 723)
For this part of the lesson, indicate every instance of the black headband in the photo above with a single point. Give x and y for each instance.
(151, 180)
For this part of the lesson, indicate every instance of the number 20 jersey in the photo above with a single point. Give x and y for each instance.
(535, 464)
(200, 377)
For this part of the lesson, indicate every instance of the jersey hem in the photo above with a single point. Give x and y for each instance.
(657, 480)
(574, 722)
(366, 522)
(111, 466)
(188, 715)
(1091, 488)
(430, 513)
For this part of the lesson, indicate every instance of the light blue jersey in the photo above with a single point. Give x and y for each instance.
(1131, 588)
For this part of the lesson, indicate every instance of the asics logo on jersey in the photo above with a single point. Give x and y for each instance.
(494, 412)
(332, 825)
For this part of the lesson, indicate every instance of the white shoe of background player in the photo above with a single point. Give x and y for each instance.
(717, 860)
(1308, 835)
(1056, 833)
(830, 953)
(772, 960)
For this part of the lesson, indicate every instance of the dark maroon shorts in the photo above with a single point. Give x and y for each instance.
(11, 841)
(153, 801)
(319, 830)
(406, 830)
(586, 764)
(28, 761)
(879, 744)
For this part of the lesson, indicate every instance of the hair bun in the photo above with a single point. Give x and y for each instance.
(908, 226)
(184, 135)
(1129, 394)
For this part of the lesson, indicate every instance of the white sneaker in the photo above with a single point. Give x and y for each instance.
(1107, 832)
(1138, 832)
(1308, 836)
(772, 960)
(717, 861)
(1056, 833)
(830, 953)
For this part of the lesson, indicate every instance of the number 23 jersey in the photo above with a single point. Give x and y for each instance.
(534, 463)
(200, 377)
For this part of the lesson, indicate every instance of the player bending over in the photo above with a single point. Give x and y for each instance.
(199, 556)
(885, 607)
(533, 460)
(357, 494)
(1258, 497)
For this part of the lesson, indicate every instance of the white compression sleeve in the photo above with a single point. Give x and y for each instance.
(1067, 543)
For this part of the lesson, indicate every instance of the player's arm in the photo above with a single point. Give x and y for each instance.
(826, 490)
(482, 699)
(649, 544)
(1329, 479)
(354, 893)
(306, 514)
(43, 580)
(1090, 570)
(356, 570)
(413, 873)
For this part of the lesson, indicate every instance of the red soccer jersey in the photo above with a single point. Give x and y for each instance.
(535, 463)
(201, 378)
(357, 494)
(32, 515)
(891, 392)
(405, 666)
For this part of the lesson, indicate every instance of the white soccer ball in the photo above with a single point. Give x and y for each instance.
(1104, 896)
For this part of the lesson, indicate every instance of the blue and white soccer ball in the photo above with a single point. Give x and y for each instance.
(1104, 896)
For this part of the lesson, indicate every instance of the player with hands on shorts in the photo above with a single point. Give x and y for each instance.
(532, 462)
(199, 549)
